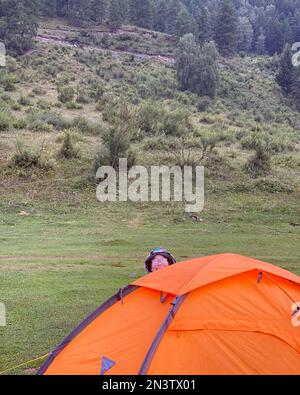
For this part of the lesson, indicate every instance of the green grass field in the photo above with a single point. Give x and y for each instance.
(61, 261)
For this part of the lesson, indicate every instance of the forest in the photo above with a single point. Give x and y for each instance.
(259, 26)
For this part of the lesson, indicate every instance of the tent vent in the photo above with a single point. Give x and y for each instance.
(162, 297)
(259, 277)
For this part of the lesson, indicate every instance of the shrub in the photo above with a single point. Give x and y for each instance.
(118, 112)
(203, 103)
(29, 159)
(66, 94)
(154, 143)
(271, 186)
(82, 97)
(54, 119)
(275, 144)
(39, 91)
(116, 145)
(150, 118)
(20, 123)
(24, 101)
(68, 149)
(43, 104)
(86, 127)
(260, 163)
(5, 121)
(73, 106)
(176, 122)
(8, 81)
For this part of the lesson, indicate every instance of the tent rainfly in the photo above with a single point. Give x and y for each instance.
(221, 314)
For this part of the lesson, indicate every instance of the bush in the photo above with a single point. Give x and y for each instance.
(29, 159)
(116, 145)
(5, 121)
(68, 149)
(86, 127)
(156, 143)
(24, 101)
(39, 91)
(177, 122)
(8, 81)
(150, 118)
(275, 144)
(203, 103)
(272, 186)
(44, 105)
(54, 119)
(96, 90)
(82, 97)
(66, 94)
(73, 106)
(20, 123)
(259, 165)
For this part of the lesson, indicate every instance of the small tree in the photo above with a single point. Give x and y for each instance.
(260, 45)
(205, 79)
(260, 164)
(197, 67)
(68, 149)
(186, 55)
(115, 145)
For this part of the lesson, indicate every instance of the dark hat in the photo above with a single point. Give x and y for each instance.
(158, 251)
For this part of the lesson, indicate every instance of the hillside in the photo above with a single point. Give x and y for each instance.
(249, 103)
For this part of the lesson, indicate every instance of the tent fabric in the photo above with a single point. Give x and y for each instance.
(236, 315)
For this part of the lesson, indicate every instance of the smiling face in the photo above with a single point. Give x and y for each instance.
(159, 262)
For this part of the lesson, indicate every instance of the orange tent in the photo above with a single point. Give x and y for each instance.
(221, 314)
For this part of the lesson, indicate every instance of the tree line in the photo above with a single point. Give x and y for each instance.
(203, 28)
(257, 26)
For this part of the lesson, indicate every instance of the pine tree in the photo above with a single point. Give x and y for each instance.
(141, 13)
(245, 34)
(133, 11)
(145, 14)
(274, 37)
(114, 14)
(97, 10)
(184, 23)
(160, 18)
(49, 8)
(202, 18)
(286, 74)
(124, 10)
(173, 8)
(226, 28)
(260, 45)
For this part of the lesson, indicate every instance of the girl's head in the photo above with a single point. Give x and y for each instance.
(158, 258)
